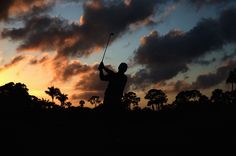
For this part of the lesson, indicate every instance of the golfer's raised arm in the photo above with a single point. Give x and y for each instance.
(101, 74)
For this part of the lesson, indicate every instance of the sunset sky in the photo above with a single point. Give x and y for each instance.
(170, 45)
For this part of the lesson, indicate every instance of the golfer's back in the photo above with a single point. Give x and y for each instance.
(115, 88)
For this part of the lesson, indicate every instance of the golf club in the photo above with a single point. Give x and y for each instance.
(109, 37)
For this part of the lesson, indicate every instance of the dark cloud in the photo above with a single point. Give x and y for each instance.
(76, 68)
(14, 9)
(76, 97)
(204, 62)
(99, 19)
(43, 33)
(180, 85)
(211, 79)
(165, 56)
(4, 6)
(229, 56)
(204, 81)
(39, 61)
(33, 61)
(24, 8)
(86, 95)
(90, 83)
(13, 62)
(200, 3)
(64, 69)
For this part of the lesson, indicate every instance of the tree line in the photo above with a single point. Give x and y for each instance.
(15, 96)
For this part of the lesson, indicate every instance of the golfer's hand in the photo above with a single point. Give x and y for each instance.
(101, 66)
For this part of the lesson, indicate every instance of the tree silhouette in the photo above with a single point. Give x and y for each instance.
(129, 99)
(62, 98)
(156, 97)
(204, 99)
(53, 92)
(94, 100)
(194, 95)
(82, 102)
(230, 97)
(137, 109)
(232, 78)
(188, 96)
(14, 89)
(15, 97)
(218, 96)
(151, 103)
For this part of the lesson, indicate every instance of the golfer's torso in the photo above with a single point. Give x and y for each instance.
(116, 85)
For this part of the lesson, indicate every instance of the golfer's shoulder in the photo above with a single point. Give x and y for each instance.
(120, 76)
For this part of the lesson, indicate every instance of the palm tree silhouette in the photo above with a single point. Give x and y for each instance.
(156, 97)
(129, 99)
(94, 100)
(232, 78)
(53, 92)
(62, 98)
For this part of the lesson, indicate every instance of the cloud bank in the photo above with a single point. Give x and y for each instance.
(44, 32)
(165, 56)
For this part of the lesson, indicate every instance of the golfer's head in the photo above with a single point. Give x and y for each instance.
(122, 67)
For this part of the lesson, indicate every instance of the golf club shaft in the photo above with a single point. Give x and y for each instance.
(106, 47)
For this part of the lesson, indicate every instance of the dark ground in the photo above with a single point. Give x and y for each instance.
(54, 133)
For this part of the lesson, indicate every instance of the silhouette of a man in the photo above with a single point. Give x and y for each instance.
(116, 85)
